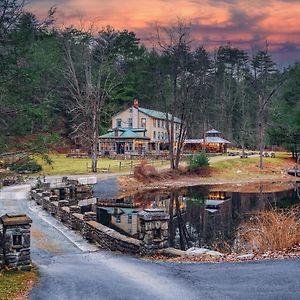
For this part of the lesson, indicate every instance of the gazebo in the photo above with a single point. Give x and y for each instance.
(212, 143)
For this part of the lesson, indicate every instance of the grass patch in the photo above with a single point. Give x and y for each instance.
(63, 165)
(247, 167)
(15, 284)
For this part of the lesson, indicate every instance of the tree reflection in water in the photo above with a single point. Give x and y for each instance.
(203, 216)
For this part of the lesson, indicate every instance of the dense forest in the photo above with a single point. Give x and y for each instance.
(65, 84)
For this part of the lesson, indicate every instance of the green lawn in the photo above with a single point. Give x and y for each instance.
(63, 165)
(15, 282)
(249, 167)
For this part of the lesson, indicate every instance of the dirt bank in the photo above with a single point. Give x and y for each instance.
(167, 181)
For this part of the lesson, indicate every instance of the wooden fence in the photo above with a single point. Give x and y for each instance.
(123, 165)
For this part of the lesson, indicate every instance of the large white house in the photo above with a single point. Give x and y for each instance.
(137, 130)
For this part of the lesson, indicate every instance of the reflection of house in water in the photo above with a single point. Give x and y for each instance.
(198, 217)
(123, 219)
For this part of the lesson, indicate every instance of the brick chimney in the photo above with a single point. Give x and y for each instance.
(136, 103)
(135, 113)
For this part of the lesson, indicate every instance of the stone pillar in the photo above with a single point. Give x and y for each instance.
(73, 220)
(90, 216)
(62, 203)
(53, 198)
(16, 246)
(153, 230)
(87, 231)
(45, 200)
(74, 209)
(60, 212)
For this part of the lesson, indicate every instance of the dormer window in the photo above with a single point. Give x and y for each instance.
(119, 122)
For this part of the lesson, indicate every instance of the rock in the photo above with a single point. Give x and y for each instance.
(172, 252)
(214, 253)
(26, 268)
(194, 251)
(245, 256)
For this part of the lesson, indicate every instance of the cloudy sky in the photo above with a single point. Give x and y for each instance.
(247, 24)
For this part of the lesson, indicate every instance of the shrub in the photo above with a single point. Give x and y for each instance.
(270, 230)
(144, 171)
(26, 167)
(198, 161)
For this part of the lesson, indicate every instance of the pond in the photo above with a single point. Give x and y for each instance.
(201, 216)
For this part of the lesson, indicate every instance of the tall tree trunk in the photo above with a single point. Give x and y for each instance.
(261, 139)
(94, 140)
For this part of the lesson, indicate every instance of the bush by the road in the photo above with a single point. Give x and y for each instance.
(26, 167)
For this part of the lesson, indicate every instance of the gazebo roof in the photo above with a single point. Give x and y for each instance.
(212, 131)
(215, 140)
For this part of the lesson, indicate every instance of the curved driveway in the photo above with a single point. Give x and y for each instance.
(71, 269)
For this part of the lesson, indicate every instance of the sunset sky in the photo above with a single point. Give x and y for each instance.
(245, 23)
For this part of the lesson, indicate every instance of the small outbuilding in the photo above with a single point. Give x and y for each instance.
(212, 143)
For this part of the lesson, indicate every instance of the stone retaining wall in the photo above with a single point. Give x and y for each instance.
(110, 239)
(152, 221)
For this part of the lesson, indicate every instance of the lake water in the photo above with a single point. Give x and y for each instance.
(201, 216)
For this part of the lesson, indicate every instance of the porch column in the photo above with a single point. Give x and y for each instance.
(157, 148)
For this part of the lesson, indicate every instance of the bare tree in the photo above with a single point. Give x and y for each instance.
(265, 87)
(176, 84)
(91, 76)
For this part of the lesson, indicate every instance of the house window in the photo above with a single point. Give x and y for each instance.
(163, 124)
(162, 136)
(119, 122)
(130, 219)
(130, 122)
(176, 126)
(143, 122)
(158, 123)
(154, 123)
(158, 135)
(154, 134)
(17, 240)
(118, 219)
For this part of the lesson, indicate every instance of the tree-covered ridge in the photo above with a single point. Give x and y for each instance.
(245, 97)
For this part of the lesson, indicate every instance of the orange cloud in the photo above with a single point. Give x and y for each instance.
(214, 22)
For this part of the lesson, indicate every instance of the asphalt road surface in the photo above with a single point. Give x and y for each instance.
(71, 268)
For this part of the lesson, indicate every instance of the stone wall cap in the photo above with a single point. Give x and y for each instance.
(154, 210)
(153, 214)
(15, 219)
(114, 234)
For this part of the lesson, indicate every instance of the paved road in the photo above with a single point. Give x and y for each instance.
(71, 269)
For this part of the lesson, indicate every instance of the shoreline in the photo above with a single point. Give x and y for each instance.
(128, 184)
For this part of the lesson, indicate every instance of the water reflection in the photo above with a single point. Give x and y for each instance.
(199, 216)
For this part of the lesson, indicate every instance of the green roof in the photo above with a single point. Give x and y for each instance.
(125, 133)
(108, 135)
(130, 134)
(157, 114)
